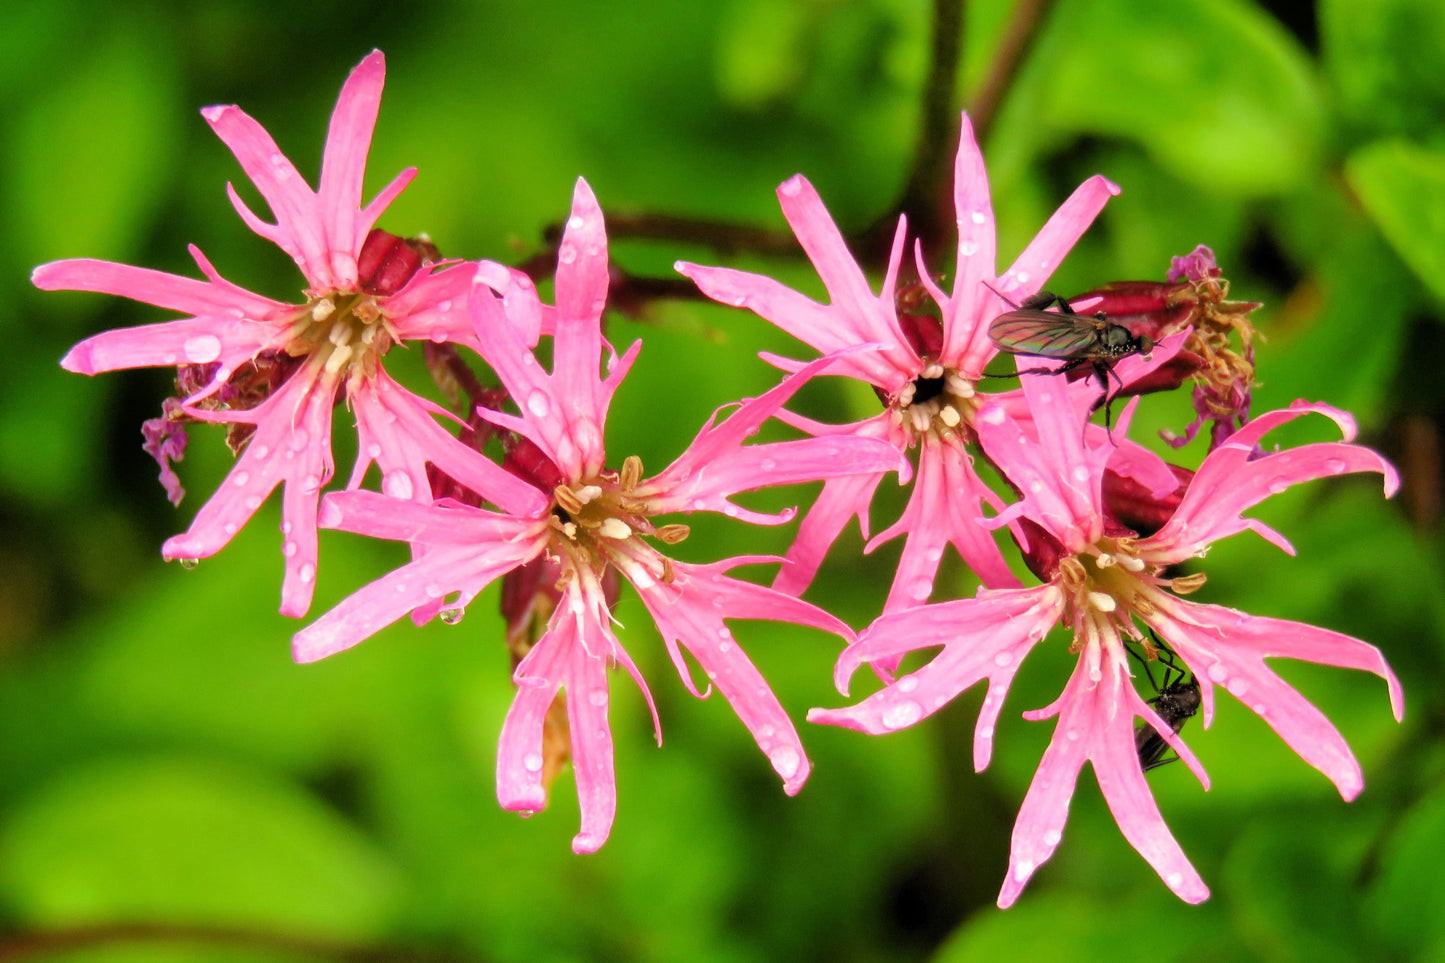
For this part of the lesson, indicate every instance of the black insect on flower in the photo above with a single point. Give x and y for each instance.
(1079, 340)
(1175, 702)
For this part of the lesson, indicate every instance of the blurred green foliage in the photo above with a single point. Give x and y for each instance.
(163, 763)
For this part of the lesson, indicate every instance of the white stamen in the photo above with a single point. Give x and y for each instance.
(338, 358)
(905, 396)
(587, 492)
(569, 529)
(895, 416)
(934, 370)
(1102, 601)
(322, 309)
(340, 334)
(1105, 560)
(920, 419)
(958, 384)
(949, 416)
(615, 528)
(1132, 562)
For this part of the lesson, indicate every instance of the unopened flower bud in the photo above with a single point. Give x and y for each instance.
(387, 262)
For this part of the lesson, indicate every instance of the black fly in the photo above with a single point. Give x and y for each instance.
(1078, 339)
(1176, 702)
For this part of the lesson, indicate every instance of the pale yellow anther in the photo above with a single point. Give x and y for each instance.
(322, 309)
(586, 493)
(340, 333)
(934, 370)
(949, 416)
(672, 534)
(920, 419)
(905, 396)
(1188, 584)
(1132, 562)
(1102, 601)
(1105, 560)
(631, 472)
(958, 385)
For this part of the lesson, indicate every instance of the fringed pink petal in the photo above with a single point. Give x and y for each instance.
(1237, 476)
(212, 298)
(981, 638)
(841, 499)
(577, 347)
(343, 164)
(433, 306)
(1226, 647)
(965, 333)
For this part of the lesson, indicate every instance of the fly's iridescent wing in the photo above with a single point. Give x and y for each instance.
(1044, 333)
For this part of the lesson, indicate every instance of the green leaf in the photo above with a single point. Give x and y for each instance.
(1404, 900)
(1384, 58)
(178, 840)
(1216, 90)
(1402, 188)
(91, 152)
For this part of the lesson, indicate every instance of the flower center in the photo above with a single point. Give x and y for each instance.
(342, 332)
(939, 400)
(1112, 584)
(599, 522)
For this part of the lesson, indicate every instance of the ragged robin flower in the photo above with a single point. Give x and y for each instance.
(924, 369)
(602, 522)
(1110, 587)
(273, 371)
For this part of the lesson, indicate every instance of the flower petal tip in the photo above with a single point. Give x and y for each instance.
(585, 843)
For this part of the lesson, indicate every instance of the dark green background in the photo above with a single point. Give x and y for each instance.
(162, 761)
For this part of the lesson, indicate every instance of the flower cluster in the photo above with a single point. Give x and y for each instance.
(1107, 528)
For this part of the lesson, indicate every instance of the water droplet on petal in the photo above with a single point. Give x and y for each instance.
(1081, 474)
(575, 222)
(306, 573)
(1217, 672)
(901, 714)
(992, 415)
(229, 528)
(1003, 658)
(968, 249)
(202, 349)
(1072, 735)
(567, 254)
(978, 217)
(444, 305)
(299, 439)
(767, 464)
(1335, 466)
(598, 697)
(532, 762)
(1174, 880)
(539, 404)
(288, 548)
(908, 683)
(260, 451)
(188, 563)
(398, 484)
(433, 591)
(1279, 486)
(985, 732)
(452, 616)
(792, 187)
(785, 760)
(725, 647)
(1023, 870)
(921, 589)
(1052, 837)
(241, 478)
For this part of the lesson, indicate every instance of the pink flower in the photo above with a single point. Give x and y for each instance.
(600, 521)
(925, 373)
(274, 371)
(1103, 582)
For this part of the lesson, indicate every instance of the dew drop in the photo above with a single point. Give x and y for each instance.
(1023, 870)
(985, 732)
(532, 762)
(1174, 880)
(978, 217)
(901, 714)
(252, 502)
(307, 573)
(1335, 466)
(724, 632)
(299, 439)
(785, 760)
(452, 616)
(289, 548)
(1023, 277)
(444, 305)
(433, 591)
(188, 563)
(1217, 672)
(598, 697)
(767, 464)
(730, 510)
(575, 222)
(1081, 474)
(260, 451)
(1072, 735)
(921, 589)
(567, 254)
(229, 528)
(1238, 687)
(1052, 837)
(725, 647)
(539, 404)
(908, 683)
(1003, 658)
(1278, 486)
(241, 479)
(1260, 709)
(202, 349)
(398, 484)
(968, 249)
(792, 188)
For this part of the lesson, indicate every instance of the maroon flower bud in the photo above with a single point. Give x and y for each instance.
(1134, 507)
(387, 262)
(529, 463)
(1043, 551)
